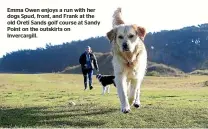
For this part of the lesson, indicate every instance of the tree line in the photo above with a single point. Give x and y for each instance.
(185, 48)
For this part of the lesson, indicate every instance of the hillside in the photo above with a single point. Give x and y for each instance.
(185, 49)
(199, 72)
(105, 65)
(51, 58)
(204, 65)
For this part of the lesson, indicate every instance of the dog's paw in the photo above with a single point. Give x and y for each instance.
(126, 110)
(136, 105)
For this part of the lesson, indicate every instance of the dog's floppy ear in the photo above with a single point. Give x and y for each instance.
(111, 35)
(141, 31)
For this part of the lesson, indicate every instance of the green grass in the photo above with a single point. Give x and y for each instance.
(43, 100)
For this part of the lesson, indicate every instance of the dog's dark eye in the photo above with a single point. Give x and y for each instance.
(131, 36)
(120, 37)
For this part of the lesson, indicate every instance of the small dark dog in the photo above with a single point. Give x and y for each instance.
(106, 81)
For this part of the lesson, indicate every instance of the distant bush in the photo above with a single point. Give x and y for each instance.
(200, 72)
(163, 70)
(153, 73)
(206, 83)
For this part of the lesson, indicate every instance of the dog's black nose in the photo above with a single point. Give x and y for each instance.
(125, 47)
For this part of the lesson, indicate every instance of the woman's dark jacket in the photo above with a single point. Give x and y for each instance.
(83, 62)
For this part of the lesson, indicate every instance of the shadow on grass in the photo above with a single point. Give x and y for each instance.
(77, 116)
(167, 96)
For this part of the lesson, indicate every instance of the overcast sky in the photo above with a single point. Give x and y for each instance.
(154, 15)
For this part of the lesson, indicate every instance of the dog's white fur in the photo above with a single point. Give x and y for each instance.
(129, 67)
(106, 88)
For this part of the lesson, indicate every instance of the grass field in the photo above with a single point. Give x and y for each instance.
(43, 100)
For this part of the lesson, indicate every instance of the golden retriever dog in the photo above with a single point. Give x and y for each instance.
(129, 60)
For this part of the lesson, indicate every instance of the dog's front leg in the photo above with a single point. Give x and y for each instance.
(103, 92)
(135, 94)
(108, 89)
(122, 92)
(137, 100)
(134, 97)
